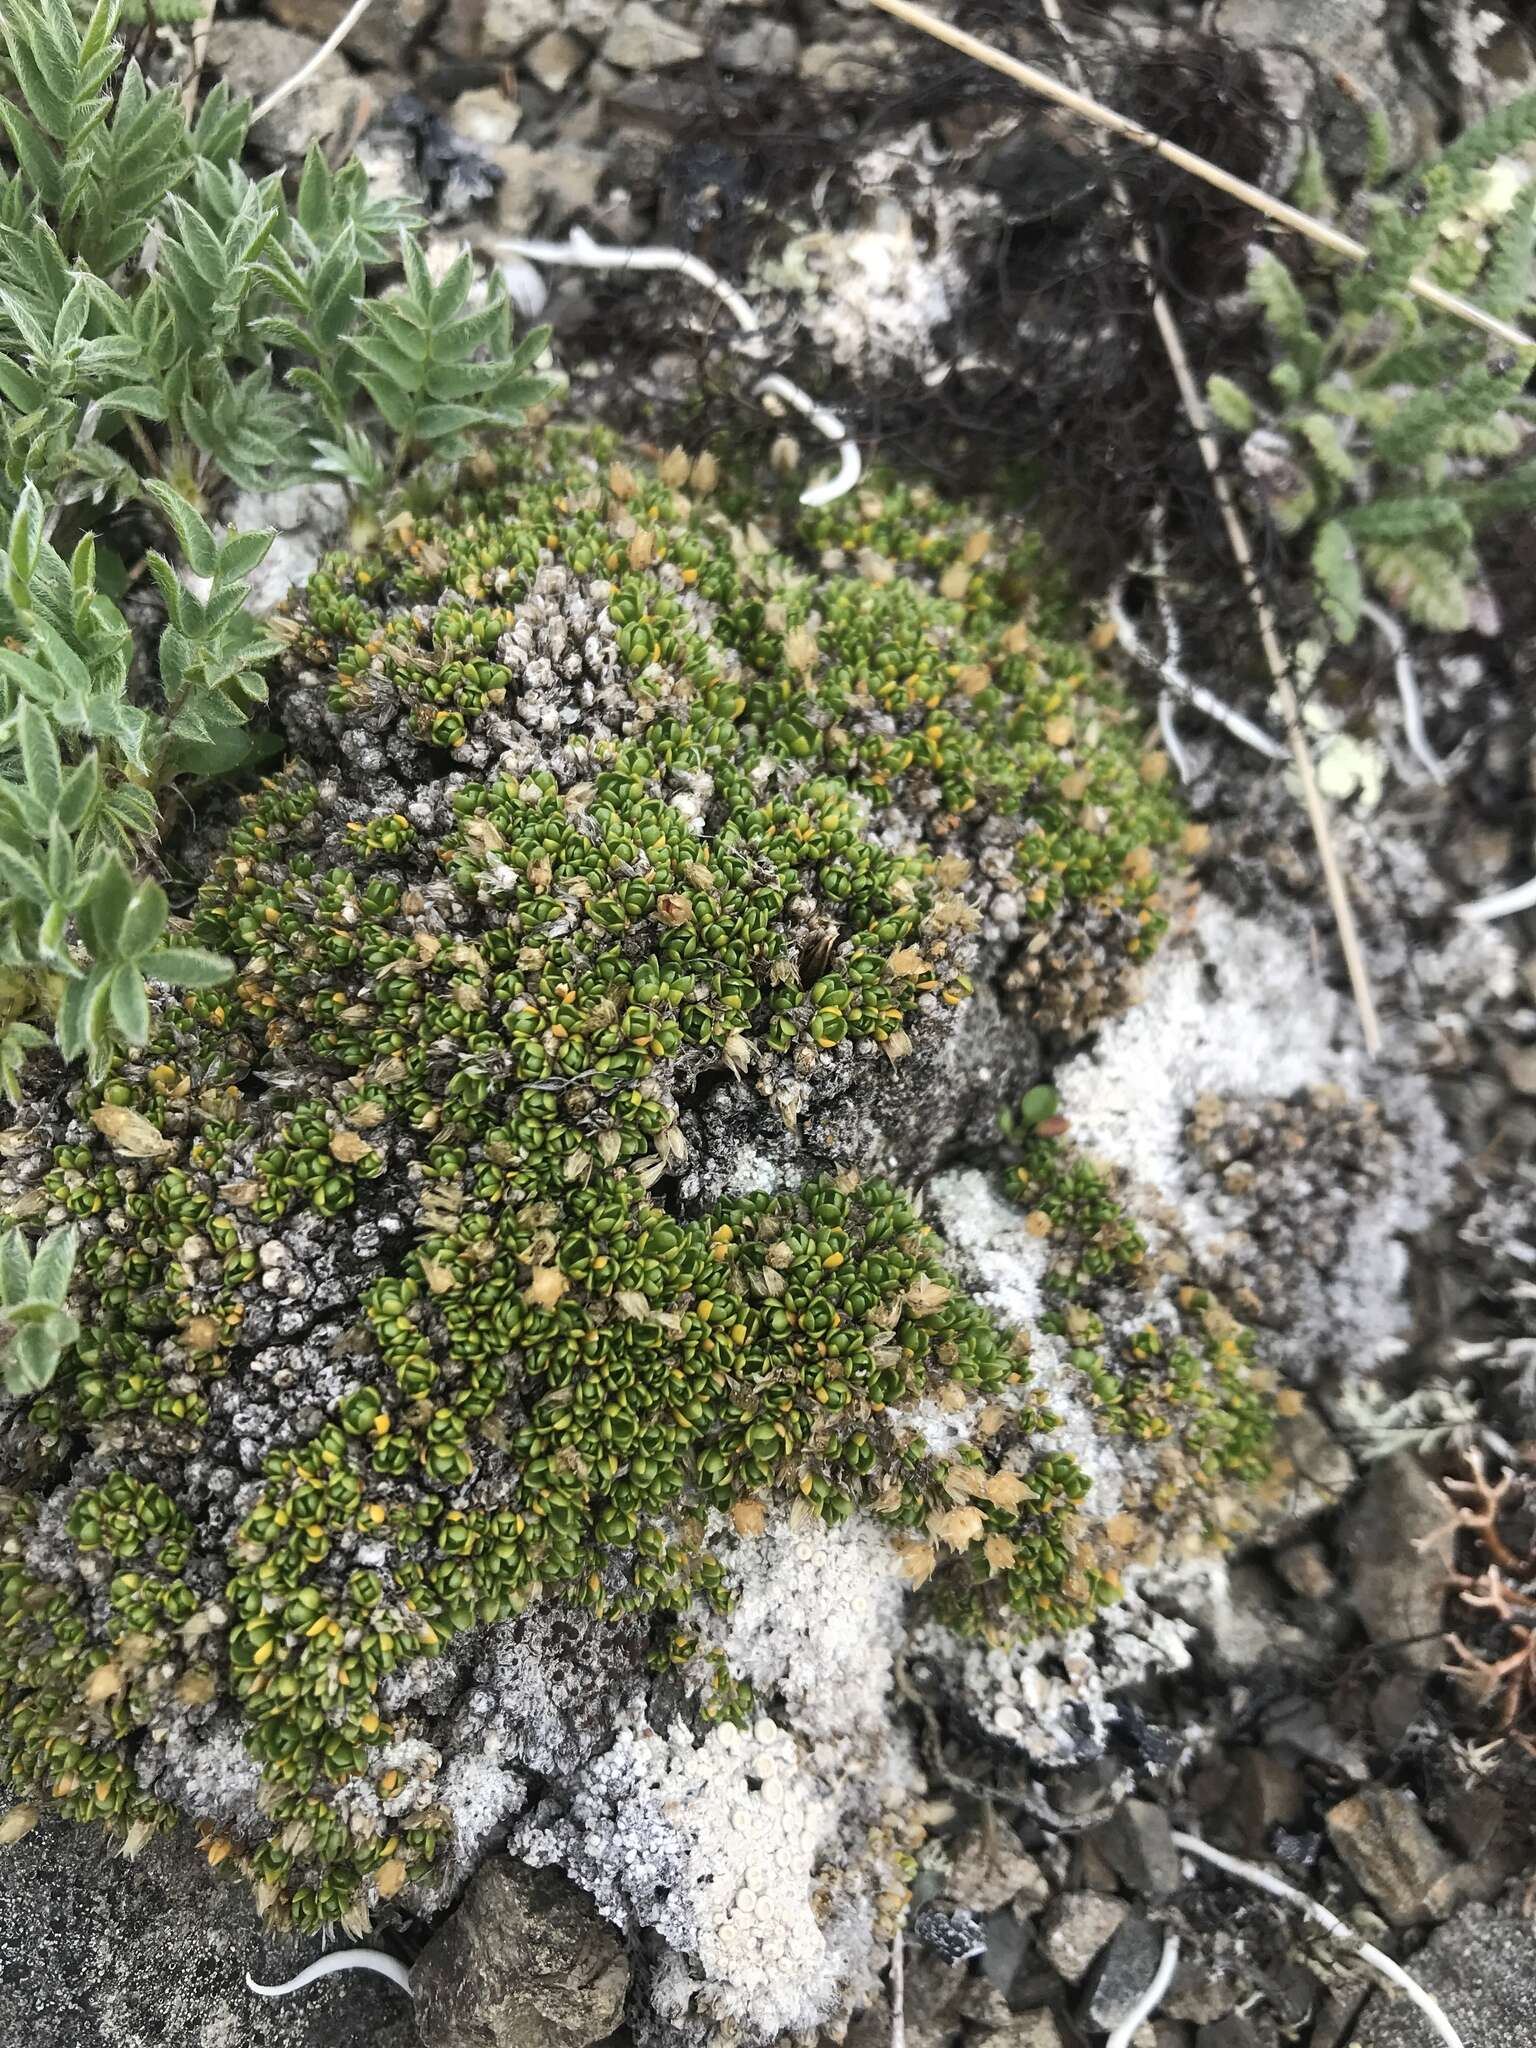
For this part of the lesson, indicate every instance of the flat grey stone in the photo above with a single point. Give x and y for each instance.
(1076, 1927)
(1398, 1589)
(1482, 1967)
(99, 1953)
(1137, 1844)
(1125, 1970)
(1383, 1837)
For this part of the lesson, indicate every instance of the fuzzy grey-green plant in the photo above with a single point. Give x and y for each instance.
(171, 327)
(249, 349)
(1389, 435)
(80, 762)
(35, 1327)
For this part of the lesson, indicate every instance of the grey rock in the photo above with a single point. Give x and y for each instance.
(1476, 1819)
(527, 1961)
(562, 180)
(1137, 1843)
(1026, 2030)
(1266, 1794)
(987, 1874)
(1091, 1870)
(1519, 1064)
(1240, 1614)
(643, 40)
(1355, 38)
(1292, 1992)
(1385, 1840)
(769, 49)
(1334, 2025)
(380, 37)
(1394, 1706)
(310, 519)
(1303, 1726)
(591, 18)
(486, 117)
(458, 32)
(555, 59)
(99, 1953)
(1076, 1928)
(877, 1118)
(1306, 1570)
(253, 56)
(1008, 1942)
(1482, 1968)
(545, 1688)
(1318, 1472)
(848, 66)
(984, 2004)
(388, 155)
(1398, 1590)
(1236, 2030)
(508, 24)
(1125, 1970)
(1197, 1994)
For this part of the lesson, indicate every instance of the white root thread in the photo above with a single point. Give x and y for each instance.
(1173, 746)
(1173, 679)
(1407, 679)
(1151, 1998)
(1505, 904)
(583, 253)
(1395, 1974)
(329, 1966)
(311, 65)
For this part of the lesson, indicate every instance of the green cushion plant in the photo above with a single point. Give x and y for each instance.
(610, 784)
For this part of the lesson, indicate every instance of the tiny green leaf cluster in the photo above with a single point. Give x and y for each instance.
(602, 800)
(1373, 445)
(1194, 1389)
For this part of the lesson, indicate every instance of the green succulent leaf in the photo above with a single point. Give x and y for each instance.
(37, 1330)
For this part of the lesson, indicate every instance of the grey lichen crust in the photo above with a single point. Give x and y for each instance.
(515, 1394)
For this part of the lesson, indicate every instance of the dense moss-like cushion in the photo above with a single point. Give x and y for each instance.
(607, 789)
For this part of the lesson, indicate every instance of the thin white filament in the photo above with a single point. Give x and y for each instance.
(1277, 1888)
(1151, 1998)
(1407, 680)
(329, 1966)
(311, 65)
(1173, 678)
(1175, 748)
(585, 254)
(1505, 904)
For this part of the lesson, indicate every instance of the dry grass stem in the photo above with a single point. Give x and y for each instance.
(1198, 415)
(1076, 99)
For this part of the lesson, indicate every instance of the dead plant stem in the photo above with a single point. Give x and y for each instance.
(1079, 100)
